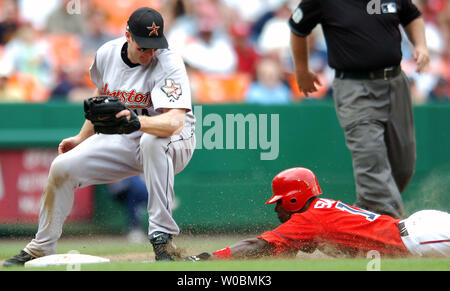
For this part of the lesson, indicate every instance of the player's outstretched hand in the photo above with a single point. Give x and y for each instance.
(68, 143)
(201, 257)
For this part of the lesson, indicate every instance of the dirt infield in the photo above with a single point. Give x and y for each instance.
(118, 249)
(148, 257)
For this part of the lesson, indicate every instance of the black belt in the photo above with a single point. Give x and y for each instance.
(402, 229)
(385, 73)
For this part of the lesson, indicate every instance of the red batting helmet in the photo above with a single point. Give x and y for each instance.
(294, 187)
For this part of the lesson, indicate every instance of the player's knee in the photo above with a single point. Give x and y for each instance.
(59, 167)
(152, 144)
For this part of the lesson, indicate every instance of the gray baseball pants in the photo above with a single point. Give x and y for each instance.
(377, 119)
(103, 159)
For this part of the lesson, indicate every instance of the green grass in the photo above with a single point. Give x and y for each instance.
(419, 264)
(116, 247)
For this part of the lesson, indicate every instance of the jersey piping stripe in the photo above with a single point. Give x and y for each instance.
(167, 176)
(167, 163)
(434, 241)
(167, 182)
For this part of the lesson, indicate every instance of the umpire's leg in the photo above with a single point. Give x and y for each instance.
(375, 186)
(400, 133)
(363, 109)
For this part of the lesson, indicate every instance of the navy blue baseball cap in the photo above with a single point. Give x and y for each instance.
(146, 25)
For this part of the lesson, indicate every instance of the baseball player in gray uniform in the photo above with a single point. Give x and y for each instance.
(152, 81)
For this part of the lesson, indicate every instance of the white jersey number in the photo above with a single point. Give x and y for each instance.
(370, 216)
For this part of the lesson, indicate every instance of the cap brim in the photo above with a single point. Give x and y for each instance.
(274, 199)
(156, 43)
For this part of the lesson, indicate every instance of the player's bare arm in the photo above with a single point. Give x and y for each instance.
(166, 124)
(69, 143)
(416, 34)
(306, 79)
(252, 248)
(86, 131)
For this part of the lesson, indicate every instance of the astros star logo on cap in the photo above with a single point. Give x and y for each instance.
(153, 29)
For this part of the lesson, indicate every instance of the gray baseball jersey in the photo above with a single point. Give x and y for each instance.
(162, 84)
(102, 159)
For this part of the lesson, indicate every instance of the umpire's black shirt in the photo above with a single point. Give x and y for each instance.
(361, 35)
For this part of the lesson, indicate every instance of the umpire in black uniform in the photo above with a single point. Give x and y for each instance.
(371, 93)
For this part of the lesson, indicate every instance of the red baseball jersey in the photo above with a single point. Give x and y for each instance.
(332, 225)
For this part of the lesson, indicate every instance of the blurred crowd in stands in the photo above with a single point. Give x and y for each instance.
(236, 51)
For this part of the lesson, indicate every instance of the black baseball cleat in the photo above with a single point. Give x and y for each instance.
(18, 260)
(163, 246)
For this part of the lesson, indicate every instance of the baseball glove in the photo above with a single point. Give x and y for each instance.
(102, 110)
